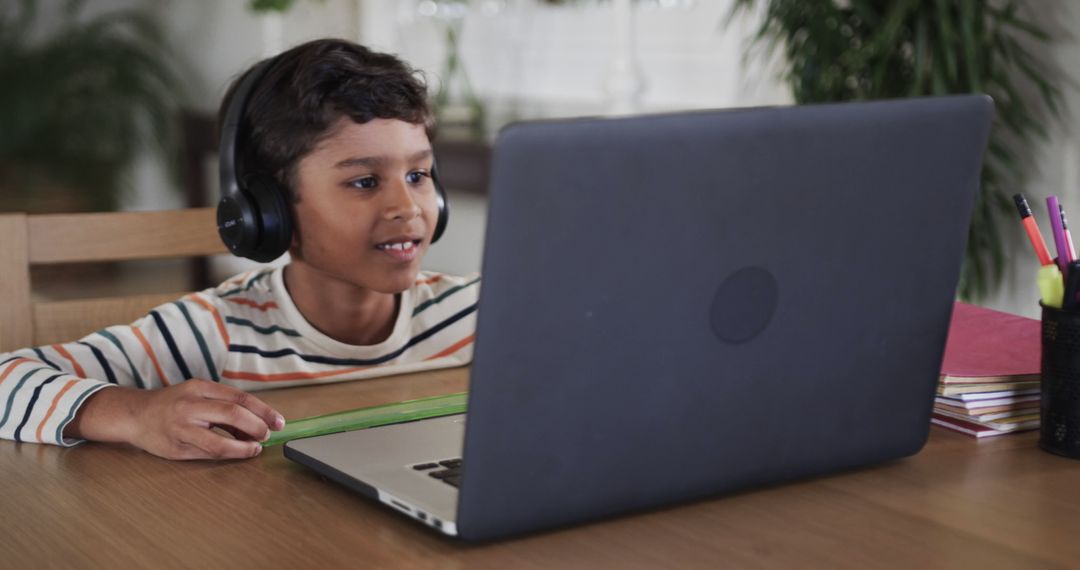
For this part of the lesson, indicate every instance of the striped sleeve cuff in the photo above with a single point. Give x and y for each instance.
(83, 390)
(41, 402)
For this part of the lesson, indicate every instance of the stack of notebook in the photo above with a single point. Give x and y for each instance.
(989, 382)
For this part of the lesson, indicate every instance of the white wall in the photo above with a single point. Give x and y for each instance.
(560, 55)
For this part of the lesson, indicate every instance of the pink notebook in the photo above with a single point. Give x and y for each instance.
(987, 346)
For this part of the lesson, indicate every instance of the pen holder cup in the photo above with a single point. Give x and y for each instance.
(1059, 426)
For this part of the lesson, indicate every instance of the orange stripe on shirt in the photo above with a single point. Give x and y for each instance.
(12, 366)
(435, 279)
(150, 353)
(52, 408)
(454, 347)
(250, 303)
(63, 352)
(285, 376)
(214, 312)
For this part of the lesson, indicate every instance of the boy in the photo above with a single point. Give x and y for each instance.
(345, 133)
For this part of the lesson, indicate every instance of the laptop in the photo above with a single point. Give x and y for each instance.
(685, 305)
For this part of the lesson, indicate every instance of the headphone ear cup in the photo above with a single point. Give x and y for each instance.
(444, 205)
(273, 217)
(237, 222)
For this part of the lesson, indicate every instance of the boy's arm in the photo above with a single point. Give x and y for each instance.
(96, 381)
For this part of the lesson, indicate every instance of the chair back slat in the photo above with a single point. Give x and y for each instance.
(117, 236)
(27, 240)
(16, 328)
(64, 321)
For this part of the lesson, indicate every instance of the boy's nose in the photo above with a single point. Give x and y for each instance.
(400, 204)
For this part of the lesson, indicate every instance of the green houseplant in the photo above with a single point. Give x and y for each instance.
(876, 49)
(79, 104)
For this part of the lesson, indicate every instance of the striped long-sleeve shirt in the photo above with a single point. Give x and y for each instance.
(246, 333)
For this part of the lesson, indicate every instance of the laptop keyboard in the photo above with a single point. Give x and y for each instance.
(448, 470)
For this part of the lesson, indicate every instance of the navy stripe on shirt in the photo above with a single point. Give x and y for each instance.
(131, 365)
(202, 342)
(15, 391)
(442, 297)
(41, 357)
(101, 360)
(261, 330)
(30, 406)
(319, 359)
(172, 345)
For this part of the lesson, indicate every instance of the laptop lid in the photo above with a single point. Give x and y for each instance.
(683, 305)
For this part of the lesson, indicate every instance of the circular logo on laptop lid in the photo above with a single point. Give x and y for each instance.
(744, 304)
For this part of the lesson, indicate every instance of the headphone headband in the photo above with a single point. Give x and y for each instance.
(230, 126)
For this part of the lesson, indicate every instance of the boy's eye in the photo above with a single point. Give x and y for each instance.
(366, 182)
(416, 176)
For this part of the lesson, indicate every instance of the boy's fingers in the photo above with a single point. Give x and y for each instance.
(219, 392)
(233, 432)
(218, 446)
(228, 414)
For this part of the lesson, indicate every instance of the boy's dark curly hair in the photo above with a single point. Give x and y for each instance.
(304, 93)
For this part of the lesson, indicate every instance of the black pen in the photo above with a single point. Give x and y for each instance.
(1069, 302)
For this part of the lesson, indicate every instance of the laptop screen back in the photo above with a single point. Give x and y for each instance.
(677, 306)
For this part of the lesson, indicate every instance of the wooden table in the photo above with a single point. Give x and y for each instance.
(960, 503)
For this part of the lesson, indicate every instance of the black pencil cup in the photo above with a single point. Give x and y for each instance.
(1059, 426)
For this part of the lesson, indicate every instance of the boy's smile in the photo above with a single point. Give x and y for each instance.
(405, 250)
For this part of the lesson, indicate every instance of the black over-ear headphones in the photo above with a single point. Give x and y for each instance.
(253, 215)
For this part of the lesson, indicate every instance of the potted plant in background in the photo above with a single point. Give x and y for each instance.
(868, 49)
(79, 104)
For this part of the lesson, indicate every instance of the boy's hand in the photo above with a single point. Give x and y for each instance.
(176, 422)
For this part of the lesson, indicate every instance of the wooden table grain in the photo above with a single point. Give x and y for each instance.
(959, 503)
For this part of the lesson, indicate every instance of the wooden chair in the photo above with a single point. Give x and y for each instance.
(27, 240)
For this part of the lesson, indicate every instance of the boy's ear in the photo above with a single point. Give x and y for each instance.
(294, 241)
(295, 252)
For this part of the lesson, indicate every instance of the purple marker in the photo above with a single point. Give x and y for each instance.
(1061, 243)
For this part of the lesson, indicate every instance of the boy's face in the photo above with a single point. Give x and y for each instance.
(367, 205)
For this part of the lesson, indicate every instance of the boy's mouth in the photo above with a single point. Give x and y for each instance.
(401, 250)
